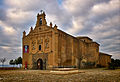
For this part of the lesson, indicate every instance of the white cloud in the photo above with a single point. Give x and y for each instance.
(5, 47)
(36, 5)
(18, 16)
(78, 6)
(107, 28)
(23, 4)
(108, 23)
(116, 56)
(104, 8)
(77, 25)
(7, 29)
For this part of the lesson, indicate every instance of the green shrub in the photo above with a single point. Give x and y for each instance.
(111, 65)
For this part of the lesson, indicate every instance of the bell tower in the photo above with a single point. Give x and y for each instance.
(41, 20)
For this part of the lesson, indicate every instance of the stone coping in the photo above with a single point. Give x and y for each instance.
(66, 72)
(64, 69)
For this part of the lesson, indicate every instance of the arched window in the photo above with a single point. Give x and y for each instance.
(40, 21)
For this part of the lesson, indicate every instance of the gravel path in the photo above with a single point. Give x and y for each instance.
(87, 75)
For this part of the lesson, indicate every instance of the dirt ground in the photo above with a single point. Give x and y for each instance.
(84, 75)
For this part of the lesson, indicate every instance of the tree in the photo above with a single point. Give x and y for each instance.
(12, 62)
(17, 61)
(114, 64)
(117, 63)
(3, 60)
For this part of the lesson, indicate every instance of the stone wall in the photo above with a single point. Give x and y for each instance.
(65, 49)
(104, 59)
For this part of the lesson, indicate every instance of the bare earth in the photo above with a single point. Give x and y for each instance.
(84, 75)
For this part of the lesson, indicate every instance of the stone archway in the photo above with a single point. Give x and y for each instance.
(40, 64)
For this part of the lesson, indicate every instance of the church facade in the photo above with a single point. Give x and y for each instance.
(47, 47)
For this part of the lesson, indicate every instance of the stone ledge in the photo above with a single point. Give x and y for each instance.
(64, 69)
(66, 72)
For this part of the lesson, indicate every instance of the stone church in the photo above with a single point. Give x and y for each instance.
(47, 47)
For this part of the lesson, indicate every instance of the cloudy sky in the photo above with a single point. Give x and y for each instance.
(98, 19)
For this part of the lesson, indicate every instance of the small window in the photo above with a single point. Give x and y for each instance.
(40, 21)
(39, 47)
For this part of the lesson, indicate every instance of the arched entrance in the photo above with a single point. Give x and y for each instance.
(40, 64)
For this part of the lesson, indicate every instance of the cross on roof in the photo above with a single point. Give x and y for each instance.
(41, 11)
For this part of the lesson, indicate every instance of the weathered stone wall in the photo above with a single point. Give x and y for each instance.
(93, 52)
(65, 49)
(89, 52)
(73, 50)
(76, 53)
(26, 57)
(104, 59)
